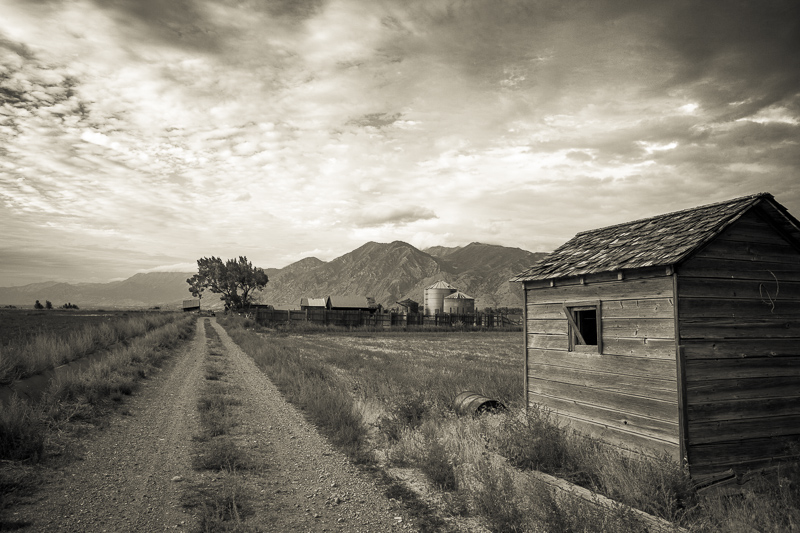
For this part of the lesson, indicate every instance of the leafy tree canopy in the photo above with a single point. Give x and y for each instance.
(196, 285)
(235, 280)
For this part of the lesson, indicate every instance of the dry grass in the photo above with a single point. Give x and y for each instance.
(27, 355)
(85, 394)
(222, 504)
(402, 386)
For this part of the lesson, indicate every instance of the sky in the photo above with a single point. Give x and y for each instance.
(141, 135)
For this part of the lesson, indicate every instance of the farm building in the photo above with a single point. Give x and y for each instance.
(191, 305)
(315, 303)
(679, 333)
(459, 303)
(409, 306)
(350, 303)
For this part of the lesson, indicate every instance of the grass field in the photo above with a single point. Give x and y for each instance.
(24, 324)
(35, 341)
(387, 399)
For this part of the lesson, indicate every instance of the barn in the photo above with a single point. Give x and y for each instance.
(676, 334)
(191, 305)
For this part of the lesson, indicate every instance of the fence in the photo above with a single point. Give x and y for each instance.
(352, 318)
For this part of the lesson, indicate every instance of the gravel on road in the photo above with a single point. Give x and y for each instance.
(133, 473)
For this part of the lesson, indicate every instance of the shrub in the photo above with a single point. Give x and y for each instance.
(407, 413)
(21, 432)
(437, 465)
(495, 499)
(221, 454)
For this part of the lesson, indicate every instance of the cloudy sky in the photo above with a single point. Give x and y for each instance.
(140, 135)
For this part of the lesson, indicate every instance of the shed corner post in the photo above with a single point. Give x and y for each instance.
(525, 343)
(680, 368)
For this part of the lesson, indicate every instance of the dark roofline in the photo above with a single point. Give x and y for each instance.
(661, 240)
(679, 212)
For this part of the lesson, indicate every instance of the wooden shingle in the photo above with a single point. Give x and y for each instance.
(662, 240)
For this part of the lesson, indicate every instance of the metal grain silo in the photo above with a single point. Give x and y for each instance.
(459, 303)
(434, 297)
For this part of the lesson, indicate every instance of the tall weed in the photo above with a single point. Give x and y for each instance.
(30, 356)
(21, 432)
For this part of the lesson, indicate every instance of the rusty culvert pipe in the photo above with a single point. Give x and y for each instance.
(472, 403)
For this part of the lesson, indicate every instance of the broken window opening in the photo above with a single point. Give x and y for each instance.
(584, 327)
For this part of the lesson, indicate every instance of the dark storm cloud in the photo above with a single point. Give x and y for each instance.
(375, 120)
(748, 52)
(177, 22)
(196, 24)
(393, 216)
(30, 90)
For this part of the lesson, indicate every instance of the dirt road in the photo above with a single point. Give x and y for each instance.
(133, 475)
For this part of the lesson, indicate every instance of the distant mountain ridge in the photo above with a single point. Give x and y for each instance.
(389, 272)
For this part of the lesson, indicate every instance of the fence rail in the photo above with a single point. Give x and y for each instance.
(353, 318)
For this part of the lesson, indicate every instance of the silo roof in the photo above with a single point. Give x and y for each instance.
(458, 296)
(440, 285)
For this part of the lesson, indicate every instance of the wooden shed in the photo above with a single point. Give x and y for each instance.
(191, 305)
(679, 334)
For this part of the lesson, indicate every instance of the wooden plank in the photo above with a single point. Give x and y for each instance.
(663, 369)
(630, 423)
(739, 327)
(748, 428)
(624, 439)
(548, 342)
(545, 311)
(547, 327)
(662, 389)
(644, 347)
(652, 523)
(599, 277)
(659, 328)
(536, 284)
(725, 249)
(624, 403)
(751, 367)
(737, 409)
(680, 373)
(627, 289)
(741, 348)
(737, 308)
(740, 451)
(651, 308)
(722, 390)
(751, 228)
(714, 267)
(767, 291)
(525, 355)
(742, 467)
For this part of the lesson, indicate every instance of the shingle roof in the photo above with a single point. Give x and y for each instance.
(657, 241)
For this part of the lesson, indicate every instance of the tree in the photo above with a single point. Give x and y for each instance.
(234, 280)
(37, 305)
(197, 285)
(48, 304)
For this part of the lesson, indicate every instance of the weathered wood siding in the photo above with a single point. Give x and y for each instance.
(628, 394)
(739, 324)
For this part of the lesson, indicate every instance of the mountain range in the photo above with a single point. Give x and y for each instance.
(387, 272)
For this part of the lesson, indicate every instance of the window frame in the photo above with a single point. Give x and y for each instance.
(573, 331)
